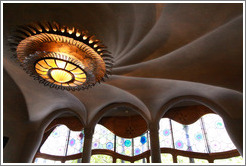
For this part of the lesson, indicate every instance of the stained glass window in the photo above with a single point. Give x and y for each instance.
(165, 136)
(191, 137)
(179, 135)
(62, 142)
(56, 142)
(195, 138)
(76, 141)
(102, 138)
(206, 135)
(124, 146)
(218, 139)
(141, 144)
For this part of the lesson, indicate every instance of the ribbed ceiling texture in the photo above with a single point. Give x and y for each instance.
(164, 54)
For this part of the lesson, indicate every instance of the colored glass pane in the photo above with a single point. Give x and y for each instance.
(137, 151)
(127, 143)
(189, 137)
(55, 144)
(143, 140)
(218, 138)
(110, 145)
(179, 135)
(76, 142)
(72, 142)
(199, 136)
(102, 138)
(141, 144)
(165, 136)
(166, 132)
(121, 147)
(179, 144)
(195, 140)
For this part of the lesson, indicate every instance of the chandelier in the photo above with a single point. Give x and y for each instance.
(61, 57)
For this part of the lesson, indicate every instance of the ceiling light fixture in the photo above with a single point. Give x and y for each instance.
(61, 57)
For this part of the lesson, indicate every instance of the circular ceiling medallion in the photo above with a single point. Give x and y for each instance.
(61, 57)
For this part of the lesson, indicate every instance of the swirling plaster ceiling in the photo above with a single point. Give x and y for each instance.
(161, 52)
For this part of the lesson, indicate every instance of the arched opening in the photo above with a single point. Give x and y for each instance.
(121, 132)
(62, 141)
(193, 133)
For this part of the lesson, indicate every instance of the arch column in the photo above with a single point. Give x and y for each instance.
(154, 143)
(29, 144)
(87, 144)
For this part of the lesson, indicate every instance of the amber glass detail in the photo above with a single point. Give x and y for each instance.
(61, 76)
(61, 57)
(57, 72)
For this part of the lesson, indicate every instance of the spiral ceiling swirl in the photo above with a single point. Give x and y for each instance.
(164, 55)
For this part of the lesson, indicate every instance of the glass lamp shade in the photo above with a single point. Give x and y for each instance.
(61, 57)
(60, 72)
(61, 76)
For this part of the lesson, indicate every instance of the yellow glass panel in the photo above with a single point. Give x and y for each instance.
(61, 76)
(51, 62)
(72, 84)
(37, 66)
(77, 82)
(78, 70)
(57, 83)
(65, 84)
(80, 75)
(44, 64)
(45, 76)
(61, 64)
(80, 79)
(41, 72)
(50, 80)
(70, 67)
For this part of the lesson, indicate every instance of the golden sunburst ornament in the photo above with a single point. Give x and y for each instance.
(61, 57)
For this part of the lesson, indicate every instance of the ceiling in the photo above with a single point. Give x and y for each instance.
(161, 52)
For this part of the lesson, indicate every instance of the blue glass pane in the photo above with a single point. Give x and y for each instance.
(110, 145)
(143, 140)
(141, 144)
(127, 143)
